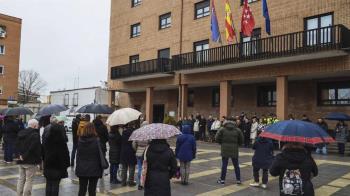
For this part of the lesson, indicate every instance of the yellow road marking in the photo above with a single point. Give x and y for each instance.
(8, 177)
(334, 186)
(326, 190)
(8, 167)
(43, 185)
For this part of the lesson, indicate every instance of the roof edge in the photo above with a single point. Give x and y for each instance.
(10, 18)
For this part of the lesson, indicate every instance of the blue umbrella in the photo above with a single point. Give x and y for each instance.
(297, 131)
(337, 116)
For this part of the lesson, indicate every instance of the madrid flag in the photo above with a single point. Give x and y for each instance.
(247, 22)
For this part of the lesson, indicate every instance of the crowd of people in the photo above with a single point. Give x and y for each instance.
(43, 143)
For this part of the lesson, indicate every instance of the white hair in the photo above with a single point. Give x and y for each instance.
(53, 119)
(33, 123)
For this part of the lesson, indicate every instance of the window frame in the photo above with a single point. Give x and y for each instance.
(1, 90)
(135, 3)
(2, 67)
(254, 47)
(266, 89)
(3, 49)
(201, 55)
(132, 35)
(199, 6)
(75, 99)
(133, 57)
(318, 34)
(161, 50)
(336, 85)
(165, 17)
(66, 98)
(215, 91)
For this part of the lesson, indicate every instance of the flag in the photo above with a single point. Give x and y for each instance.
(247, 22)
(266, 16)
(214, 25)
(230, 31)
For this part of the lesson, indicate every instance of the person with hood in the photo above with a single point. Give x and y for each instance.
(88, 168)
(161, 167)
(128, 156)
(114, 141)
(75, 125)
(230, 137)
(341, 136)
(29, 150)
(295, 168)
(10, 131)
(322, 148)
(56, 158)
(262, 159)
(82, 124)
(102, 133)
(185, 151)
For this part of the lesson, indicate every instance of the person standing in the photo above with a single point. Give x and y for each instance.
(127, 157)
(102, 133)
(29, 150)
(341, 136)
(56, 158)
(295, 169)
(196, 129)
(114, 141)
(254, 129)
(185, 151)
(230, 137)
(214, 128)
(262, 159)
(246, 128)
(210, 122)
(88, 168)
(202, 127)
(161, 167)
(83, 123)
(10, 131)
(75, 125)
(322, 148)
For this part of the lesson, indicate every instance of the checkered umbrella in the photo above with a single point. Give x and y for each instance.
(154, 131)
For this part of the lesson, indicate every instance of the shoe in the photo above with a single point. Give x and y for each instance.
(238, 182)
(132, 183)
(255, 184)
(263, 186)
(220, 181)
(139, 187)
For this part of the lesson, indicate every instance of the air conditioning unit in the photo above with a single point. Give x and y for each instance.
(2, 34)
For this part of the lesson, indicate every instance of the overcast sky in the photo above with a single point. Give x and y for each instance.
(63, 39)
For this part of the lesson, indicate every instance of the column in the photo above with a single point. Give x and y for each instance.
(184, 100)
(282, 97)
(225, 98)
(111, 98)
(149, 104)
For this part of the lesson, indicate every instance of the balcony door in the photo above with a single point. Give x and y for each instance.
(319, 29)
(251, 45)
(163, 59)
(201, 51)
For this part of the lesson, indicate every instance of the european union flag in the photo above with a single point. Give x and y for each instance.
(266, 16)
(214, 25)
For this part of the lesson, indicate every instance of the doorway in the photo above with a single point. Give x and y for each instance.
(158, 113)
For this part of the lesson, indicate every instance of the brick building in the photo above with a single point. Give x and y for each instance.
(10, 38)
(162, 58)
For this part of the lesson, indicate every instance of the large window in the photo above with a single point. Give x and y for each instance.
(318, 27)
(135, 30)
(190, 99)
(2, 49)
(266, 96)
(251, 45)
(134, 59)
(165, 21)
(66, 100)
(201, 48)
(201, 9)
(215, 97)
(135, 3)
(75, 99)
(334, 93)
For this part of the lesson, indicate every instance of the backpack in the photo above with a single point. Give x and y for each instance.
(292, 184)
(196, 126)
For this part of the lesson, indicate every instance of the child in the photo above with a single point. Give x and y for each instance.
(262, 159)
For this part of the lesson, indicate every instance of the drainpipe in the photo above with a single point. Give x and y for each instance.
(180, 51)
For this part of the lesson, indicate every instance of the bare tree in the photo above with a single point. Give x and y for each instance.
(30, 84)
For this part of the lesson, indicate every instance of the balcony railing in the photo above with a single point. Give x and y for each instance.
(160, 65)
(303, 42)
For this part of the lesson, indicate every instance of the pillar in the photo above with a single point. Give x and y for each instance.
(183, 100)
(225, 98)
(282, 97)
(111, 98)
(149, 104)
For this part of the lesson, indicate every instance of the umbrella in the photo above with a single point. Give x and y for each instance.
(154, 131)
(337, 116)
(16, 111)
(123, 116)
(51, 109)
(95, 109)
(297, 131)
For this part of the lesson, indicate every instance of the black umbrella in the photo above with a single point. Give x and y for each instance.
(95, 109)
(337, 116)
(51, 109)
(16, 111)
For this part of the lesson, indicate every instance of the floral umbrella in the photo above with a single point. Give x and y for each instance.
(154, 131)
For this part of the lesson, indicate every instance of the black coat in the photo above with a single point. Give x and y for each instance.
(161, 168)
(56, 154)
(102, 133)
(114, 147)
(263, 155)
(88, 158)
(10, 131)
(295, 159)
(127, 155)
(29, 147)
(75, 125)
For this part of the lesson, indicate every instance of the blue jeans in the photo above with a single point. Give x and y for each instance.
(74, 151)
(139, 169)
(235, 165)
(113, 171)
(8, 154)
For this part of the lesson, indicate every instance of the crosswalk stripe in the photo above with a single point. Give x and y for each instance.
(334, 186)
(43, 185)
(8, 177)
(8, 167)
(333, 162)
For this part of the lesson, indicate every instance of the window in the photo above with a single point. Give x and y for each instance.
(201, 9)
(249, 1)
(165, 21)
(334, 93)
(318, 29)
(164, 53)
(266, 96)
(135, 30)
(75, 99)
(66, 100)
(201, 48)
(215, 97)
(2, 49)
(134, 59)
(251, 45)
(135, 3)
(1, 91)
(2, 31)
(1, 69)
(190, 100)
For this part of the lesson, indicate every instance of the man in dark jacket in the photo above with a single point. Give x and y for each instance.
(75, 125)
(295, 168)
(10, 131)
(102, 133)
(127, 158)
(29, 150)
(114, 142)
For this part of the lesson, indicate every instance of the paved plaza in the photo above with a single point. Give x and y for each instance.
(333, 179)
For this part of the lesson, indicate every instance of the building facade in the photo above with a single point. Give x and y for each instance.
(10, 40)
(162, 59)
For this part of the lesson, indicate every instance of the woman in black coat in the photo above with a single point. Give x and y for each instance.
(161, 167)
(89, 168)
(127, 157)
(56, 159)
(102, 133)
(114, 141)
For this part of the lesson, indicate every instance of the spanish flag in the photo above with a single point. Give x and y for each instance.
(230, 31)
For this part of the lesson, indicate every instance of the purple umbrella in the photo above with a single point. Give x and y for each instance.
(154, 131)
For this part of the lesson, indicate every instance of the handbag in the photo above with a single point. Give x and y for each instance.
(144, 168)
(103, 160)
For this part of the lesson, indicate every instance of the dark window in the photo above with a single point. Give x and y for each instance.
(201, 9)
(66, 100)
(2, 49)
(190, 100)
(266, 96)
(319, 29)
(135, 3)
(201, 48)
(75, 99)
(137, 107)
(334, 93)
(1, 69)
(249, 1)
(134, 59)
(165, 21)
(251, 45)
(215, 97)
(164, 53)
(135, 30)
